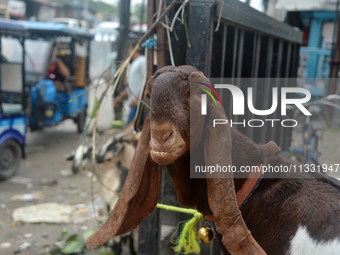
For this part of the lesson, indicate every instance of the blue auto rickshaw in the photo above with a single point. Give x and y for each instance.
(54, 97)
(12, 97)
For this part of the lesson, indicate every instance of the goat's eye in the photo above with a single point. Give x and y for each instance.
(147, 96)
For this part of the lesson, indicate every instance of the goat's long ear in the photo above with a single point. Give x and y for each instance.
(221, 192)
(139, 196)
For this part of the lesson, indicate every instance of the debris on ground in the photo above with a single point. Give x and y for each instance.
(37, 195)
(66, 173)
(21, 180)
(44, 212)
(28, 235)
(59, 213)
(85, 212)
(5, 245)
(25, 246)
(48, 182)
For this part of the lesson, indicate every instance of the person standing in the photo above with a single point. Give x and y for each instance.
(135, 81)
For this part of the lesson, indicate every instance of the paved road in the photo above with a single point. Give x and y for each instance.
(45, 158)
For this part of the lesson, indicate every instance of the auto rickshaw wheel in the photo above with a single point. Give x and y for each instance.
(81, 120)
(10, 155)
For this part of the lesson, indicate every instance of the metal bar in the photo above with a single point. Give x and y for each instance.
(239, 65)
(23, 73)
(253, 64)
(234, 64)
(225, 27)
(224, 46)
(277, 83)
(335, 60)
(210, 47)
(148, 234)
(234, 54)
(254, 80)
(198, 23)
(258, 50)
(244, 15)
(269, 56)
(287, 137)
(240, 56)
(296, 60)
(279, 59)
(73, 50)
(149, 54)
(287, 77)
(289, 50)
(161, 41)
(267, 88)
(88, 63)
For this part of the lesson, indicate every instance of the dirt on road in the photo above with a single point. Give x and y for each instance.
(46, 173)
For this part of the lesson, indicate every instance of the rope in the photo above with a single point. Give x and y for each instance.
(187, 241)
(150, 43)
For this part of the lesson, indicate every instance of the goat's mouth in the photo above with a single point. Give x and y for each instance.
(166, 157)
(160, 152)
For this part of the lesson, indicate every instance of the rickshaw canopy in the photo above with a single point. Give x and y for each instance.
(11, 27)
(45, 29)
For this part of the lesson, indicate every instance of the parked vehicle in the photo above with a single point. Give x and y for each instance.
(81, 23)
(56, 96)
(12, 113)
(138, 28)
(106, 32)
(309, 152)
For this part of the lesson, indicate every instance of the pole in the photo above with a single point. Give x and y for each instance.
(141, 22)
(122, 46)
(336, 55)
(123, 38)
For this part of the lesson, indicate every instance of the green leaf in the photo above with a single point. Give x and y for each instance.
(72, 245)
(87, 233)
(55, 251)
(102, 251)
(93, 113)
(62, 236)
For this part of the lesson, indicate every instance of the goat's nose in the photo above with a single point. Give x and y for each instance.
(162, 137)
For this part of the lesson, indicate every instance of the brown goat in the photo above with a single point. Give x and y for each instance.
(283, 214)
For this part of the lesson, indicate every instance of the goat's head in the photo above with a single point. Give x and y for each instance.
(167, 138)
(81, 158)
(169, 93)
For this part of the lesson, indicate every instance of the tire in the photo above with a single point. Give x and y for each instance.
(81, 120)
(10, 156)
(297, 156)
(332, 116)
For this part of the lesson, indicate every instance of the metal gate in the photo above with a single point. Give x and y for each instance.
(247, 44)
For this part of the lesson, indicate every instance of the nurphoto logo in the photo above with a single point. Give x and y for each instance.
(238, 105)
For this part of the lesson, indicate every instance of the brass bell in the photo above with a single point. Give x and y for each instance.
(205, 234)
